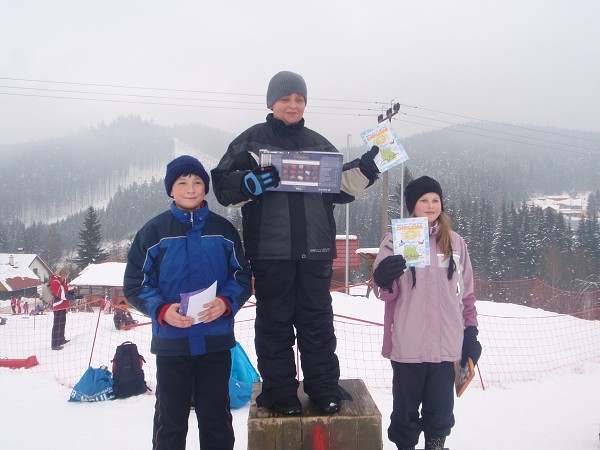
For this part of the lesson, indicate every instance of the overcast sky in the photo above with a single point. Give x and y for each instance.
(514, 61)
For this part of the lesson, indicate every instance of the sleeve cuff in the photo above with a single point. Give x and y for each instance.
(227, 307)
(161, 315)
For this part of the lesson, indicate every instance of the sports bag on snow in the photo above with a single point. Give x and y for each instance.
(243, 376)
(128, 374)
(95, 385)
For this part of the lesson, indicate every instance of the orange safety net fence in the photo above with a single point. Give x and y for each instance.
(563, 333)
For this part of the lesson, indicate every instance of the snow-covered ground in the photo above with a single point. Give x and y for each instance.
(559, 411)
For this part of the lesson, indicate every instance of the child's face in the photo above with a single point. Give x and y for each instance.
(289, 109)
(430, 206)
(188, 192)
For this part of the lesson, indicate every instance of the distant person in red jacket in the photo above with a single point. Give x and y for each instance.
(61, 300)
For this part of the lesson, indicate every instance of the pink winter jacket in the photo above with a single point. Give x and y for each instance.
(426, 324)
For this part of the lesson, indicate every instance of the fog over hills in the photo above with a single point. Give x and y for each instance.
(118, 169)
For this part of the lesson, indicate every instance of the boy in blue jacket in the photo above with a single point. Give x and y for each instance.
(183, 250)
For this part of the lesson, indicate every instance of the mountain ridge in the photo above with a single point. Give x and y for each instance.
(118, 169)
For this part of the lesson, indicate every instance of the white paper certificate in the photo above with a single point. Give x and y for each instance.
(193, 303)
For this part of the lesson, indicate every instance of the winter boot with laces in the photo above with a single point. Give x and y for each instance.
(434, 442)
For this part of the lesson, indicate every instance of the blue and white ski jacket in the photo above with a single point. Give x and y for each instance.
(178, 252)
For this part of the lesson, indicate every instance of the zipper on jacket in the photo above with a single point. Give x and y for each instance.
(192, 218)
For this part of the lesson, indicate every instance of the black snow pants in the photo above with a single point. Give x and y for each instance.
(207, 376)
(58, 327)
(430, 386)
(294, 294)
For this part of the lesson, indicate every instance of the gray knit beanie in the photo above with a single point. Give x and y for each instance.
(285, 83)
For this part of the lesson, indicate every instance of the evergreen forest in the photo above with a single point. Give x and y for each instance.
(488, 178)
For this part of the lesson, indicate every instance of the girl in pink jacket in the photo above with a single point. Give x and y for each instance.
(430, 322)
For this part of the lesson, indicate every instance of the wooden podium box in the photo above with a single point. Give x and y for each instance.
(357, 426)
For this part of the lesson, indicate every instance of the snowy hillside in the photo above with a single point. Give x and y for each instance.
(558, 411)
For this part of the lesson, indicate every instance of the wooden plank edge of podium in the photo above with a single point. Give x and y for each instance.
(356, 426)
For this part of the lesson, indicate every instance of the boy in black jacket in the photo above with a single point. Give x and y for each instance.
(289, 238)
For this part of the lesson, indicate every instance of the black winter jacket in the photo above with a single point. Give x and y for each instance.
(284, 225)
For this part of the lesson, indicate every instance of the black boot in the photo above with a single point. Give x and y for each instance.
(288, 406)
(434, 442)
(328, 405)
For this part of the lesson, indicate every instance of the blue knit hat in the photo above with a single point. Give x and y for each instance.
(185, 164)
(285, 83)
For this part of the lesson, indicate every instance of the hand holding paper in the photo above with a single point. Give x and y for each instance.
(388, 270)
(367, 164)
(175, 319)
(212, 310)
(261, 179)
(201, 305)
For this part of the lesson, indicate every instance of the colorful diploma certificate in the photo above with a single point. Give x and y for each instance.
(411, 240)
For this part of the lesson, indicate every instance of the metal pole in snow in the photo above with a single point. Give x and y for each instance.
(347, 290)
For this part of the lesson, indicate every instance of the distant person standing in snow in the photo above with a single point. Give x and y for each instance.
(289, 238)
(61, 300)
(107, 306)
(430, 322)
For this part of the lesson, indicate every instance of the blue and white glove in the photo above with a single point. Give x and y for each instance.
(260, 180)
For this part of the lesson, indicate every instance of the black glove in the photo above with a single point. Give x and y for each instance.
(388, 270)
(259, 180)
(367, 164)
(471, 347)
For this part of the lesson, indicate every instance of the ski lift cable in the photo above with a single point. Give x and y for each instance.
(194, 91)
(136, 102)
(316, 106)
(250, 103)
(491, 137)
(314, 98)
(502, 132)
(115, 94)
(109, 100)
(500, 123)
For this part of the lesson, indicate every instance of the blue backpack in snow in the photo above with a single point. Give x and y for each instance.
(95, 385)
(243, 376)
